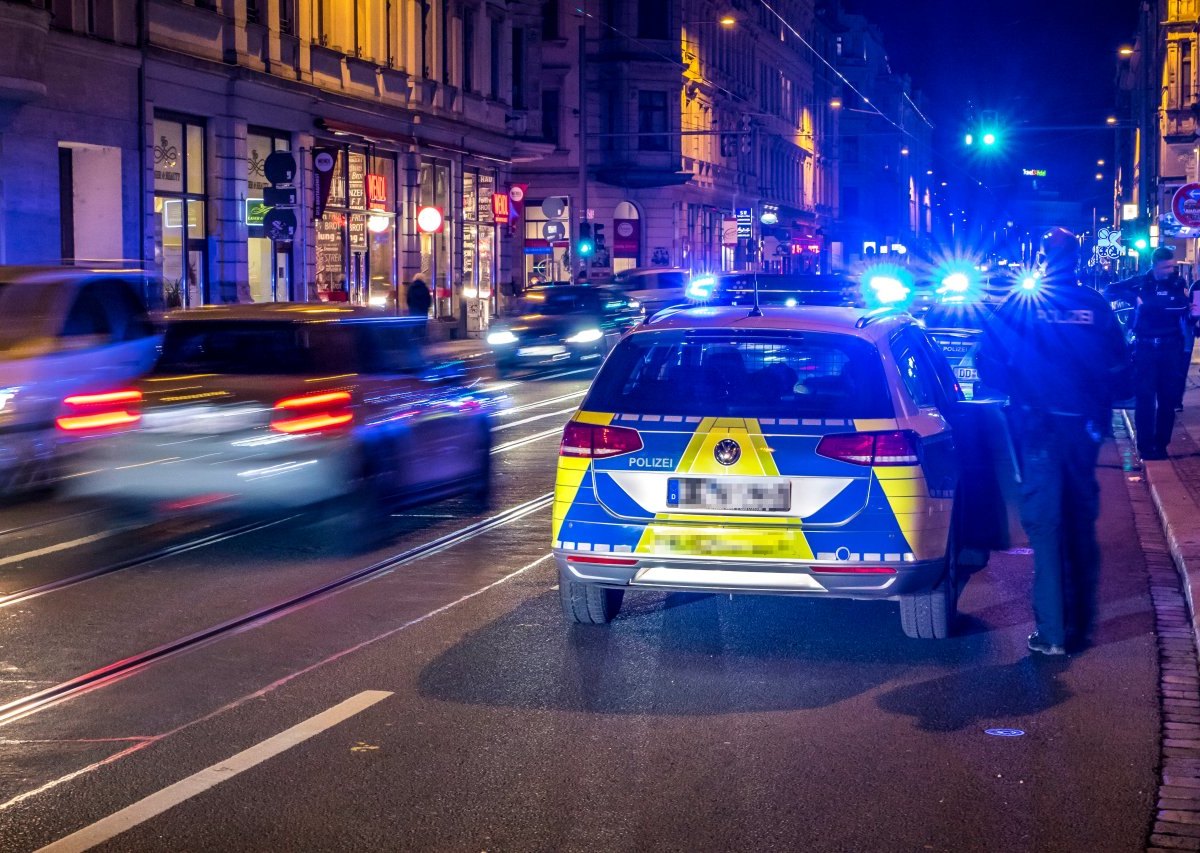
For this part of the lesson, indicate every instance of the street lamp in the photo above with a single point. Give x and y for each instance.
(835, 103)
(904, 151)
(1111, 120)
(1125, 51)
(727, 21)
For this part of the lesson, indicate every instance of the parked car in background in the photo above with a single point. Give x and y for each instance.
(562, 323)
(64, 333)
(654, 288)
(286, 405)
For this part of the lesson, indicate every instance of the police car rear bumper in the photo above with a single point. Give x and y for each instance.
(874, 580)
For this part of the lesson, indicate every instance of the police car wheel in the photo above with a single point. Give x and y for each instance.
(930, 615)
(584, 604)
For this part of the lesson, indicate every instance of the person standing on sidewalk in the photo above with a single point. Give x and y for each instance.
(1059, 354)
(1160, 348)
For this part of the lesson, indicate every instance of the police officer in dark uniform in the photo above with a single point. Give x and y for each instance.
(1059, 354)
(1160, 346)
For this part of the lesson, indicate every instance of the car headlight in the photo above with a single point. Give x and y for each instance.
(501, 337)
(633, 303)
(585, 336)
(377, 301)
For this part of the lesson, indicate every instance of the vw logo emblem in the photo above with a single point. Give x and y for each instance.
(727, 451)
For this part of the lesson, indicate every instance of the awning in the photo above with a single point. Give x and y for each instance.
(375, 134)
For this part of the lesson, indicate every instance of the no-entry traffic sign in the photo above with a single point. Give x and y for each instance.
(1186, 205)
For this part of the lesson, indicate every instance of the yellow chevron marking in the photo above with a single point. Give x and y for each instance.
(599, 418)
(571, 471)
(922, 519)
(876, 424)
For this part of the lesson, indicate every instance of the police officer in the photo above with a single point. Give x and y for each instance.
(1160, 320)
(1059, 354)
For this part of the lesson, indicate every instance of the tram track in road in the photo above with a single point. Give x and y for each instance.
(45, 522)
(118, 670)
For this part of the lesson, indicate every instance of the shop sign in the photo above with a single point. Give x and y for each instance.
(1034, 173)
(324, 162)
(256, 211)
(500, 207)
(745, 223)
(377, 192)
(358, 181)
(729, 231)
(516, 195)
(487, 191)
(429, 219)
(627, 238)
(358, 231)
(770, 215)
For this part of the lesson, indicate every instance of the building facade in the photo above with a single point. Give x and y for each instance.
(157, 117)
(692, 112)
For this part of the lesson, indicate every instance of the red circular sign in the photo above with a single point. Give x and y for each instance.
(429, 220)
(1186, 205)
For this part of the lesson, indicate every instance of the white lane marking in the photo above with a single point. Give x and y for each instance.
(61, 546)
(270, 688)
(567, 373)
(530, 420)
(171, 796)
(549, 401)
(521, 442)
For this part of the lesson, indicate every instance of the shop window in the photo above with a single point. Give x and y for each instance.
(180, 207)
(652, 121)
(265, 259)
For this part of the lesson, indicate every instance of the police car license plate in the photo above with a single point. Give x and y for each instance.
(722, 494)
(542, 350)
(966, 374)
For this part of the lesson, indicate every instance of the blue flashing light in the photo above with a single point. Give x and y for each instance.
(956, 282)
(1030, 282)
(701, 289)
(887, 289)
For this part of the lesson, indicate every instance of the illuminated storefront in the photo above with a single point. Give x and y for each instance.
(180, 234)
(356, 234)
(433, 190)
(478, 247)
(266, 284)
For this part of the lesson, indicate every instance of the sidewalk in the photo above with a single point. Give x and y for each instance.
(1175, 488)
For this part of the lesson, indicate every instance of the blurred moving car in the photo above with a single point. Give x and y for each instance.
(957, 328)
(805, 451)
(562, 323)
(64, 332)
(790, 290)
(276, 406)
(654, 287)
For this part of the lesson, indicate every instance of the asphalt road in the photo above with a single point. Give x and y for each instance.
(479, 722)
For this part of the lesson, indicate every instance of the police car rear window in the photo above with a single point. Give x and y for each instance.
(811, 375)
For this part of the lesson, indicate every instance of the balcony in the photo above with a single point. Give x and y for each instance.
(22, 63)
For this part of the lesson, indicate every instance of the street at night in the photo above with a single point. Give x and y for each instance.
(637, 425)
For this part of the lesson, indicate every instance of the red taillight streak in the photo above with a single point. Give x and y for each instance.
(104, 420)
(100, 411)
(592, 441)
(603, 561)
(304, 401)
(852, 570)
(898, 447)
(130, 396)
(336, 415)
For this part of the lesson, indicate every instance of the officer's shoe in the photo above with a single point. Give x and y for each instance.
(1037, 644)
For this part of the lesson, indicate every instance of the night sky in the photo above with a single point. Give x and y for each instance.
(1037, 62)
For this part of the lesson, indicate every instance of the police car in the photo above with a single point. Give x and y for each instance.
(957, 328)
(807, 451)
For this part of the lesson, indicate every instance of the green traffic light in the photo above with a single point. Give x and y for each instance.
(1140, 243)
(585, 248)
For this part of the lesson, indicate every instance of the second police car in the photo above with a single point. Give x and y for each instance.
(807, 451)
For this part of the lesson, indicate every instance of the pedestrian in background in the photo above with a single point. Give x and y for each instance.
(417, 298)
(1161, 349)
(1060, 356)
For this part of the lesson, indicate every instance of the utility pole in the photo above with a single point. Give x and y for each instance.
(582, 216)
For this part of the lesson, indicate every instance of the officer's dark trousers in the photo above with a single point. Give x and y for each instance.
(1060, 502)
(1159, 375)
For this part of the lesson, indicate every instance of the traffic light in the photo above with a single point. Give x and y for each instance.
(585, 246)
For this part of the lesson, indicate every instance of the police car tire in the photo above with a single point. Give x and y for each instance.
(930, 615)
(584, 604)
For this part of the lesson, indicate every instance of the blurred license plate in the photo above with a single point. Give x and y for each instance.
(542, 350)
(731, 496)
(967, 374)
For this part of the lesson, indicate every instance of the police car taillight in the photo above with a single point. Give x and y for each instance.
(592, 441)
(872, 448)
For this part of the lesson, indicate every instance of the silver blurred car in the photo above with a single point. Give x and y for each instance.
(271, 407)
(64, 332)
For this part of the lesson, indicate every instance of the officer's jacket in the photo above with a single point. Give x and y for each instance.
(1162, 307)
(1058, 349)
